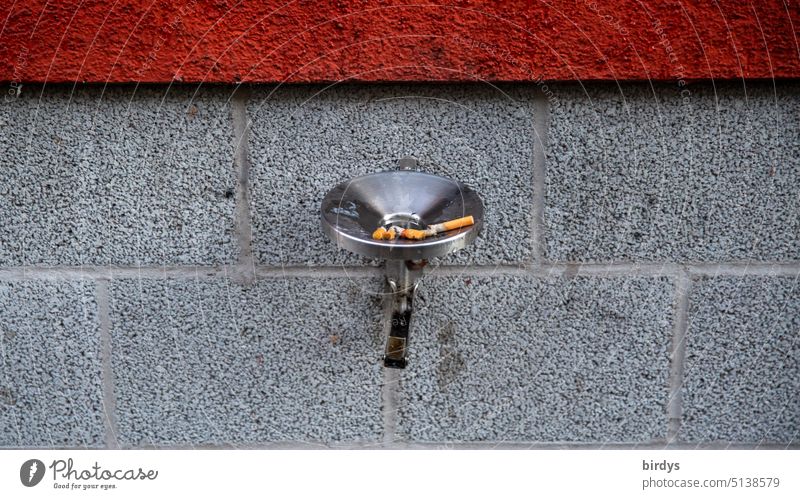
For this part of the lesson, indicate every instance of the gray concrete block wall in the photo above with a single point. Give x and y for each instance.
(164, 281)
(51, 385)
(654, 174)
(117, 176)
(214, 362)
(743, 360)
(582, 359)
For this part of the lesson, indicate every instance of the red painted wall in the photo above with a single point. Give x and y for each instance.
(302, 41)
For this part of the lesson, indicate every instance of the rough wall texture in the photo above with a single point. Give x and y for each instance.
(118, 177)
(213, 362)
(578, 359)
(50, 392)
(742, 357)
(164, 282)
(660, 174)
(396, 40)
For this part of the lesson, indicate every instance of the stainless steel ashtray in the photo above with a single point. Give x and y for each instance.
(352, 210)
(407, 199)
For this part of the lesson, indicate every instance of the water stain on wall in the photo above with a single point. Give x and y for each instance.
(450, 362)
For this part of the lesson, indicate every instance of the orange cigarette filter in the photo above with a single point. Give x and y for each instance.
(394, 231)
(413, 234)
(387, 234)
(459, 222)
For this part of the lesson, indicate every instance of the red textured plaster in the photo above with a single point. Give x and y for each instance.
(311, 41)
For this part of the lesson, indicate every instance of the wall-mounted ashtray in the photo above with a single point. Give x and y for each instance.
(396, 200)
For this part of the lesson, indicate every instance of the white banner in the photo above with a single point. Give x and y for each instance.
(401, 473)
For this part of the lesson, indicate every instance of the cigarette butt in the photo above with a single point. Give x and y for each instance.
(458, 223)
(414, 234)
(395, 231)
(379, 233)
(386, 234)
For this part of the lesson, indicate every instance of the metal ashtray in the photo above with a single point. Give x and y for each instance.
(409, 199)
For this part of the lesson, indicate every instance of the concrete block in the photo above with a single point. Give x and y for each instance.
(654, 174)
(116, 176)
(742, 375)
(513, 358)
(305, 140)
(209, 362)
(50, 387)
